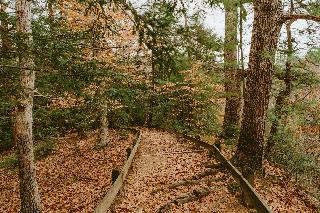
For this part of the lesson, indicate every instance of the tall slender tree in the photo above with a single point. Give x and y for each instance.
(29, 193)
(232, 83)
(104, 130)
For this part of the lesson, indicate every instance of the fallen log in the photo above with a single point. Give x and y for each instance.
(205, 174)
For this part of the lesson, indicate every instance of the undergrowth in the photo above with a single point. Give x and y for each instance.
(289, 152)
(41, 150)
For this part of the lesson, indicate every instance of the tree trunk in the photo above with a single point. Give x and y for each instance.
(29, 193)
(265, 35)
(282, 97)
(50, 13)
(104, 131)
(232, 83)
(152, 94)
(53, 51)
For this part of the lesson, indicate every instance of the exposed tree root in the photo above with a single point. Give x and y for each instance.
(184, 182)
(188, 197)
(213, 166)
(193, 180)
(206, 173)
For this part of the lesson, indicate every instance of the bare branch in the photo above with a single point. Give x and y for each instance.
(38, 94)
(295, 17)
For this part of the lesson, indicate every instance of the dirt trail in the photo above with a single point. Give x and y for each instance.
(164, 159)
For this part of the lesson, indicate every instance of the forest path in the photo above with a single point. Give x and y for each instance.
(163, 159)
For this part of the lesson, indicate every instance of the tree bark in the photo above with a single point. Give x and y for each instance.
(29, 193)
(104, 131)
(232, 83)
(265, 35)
(152, 93)
(50, 13)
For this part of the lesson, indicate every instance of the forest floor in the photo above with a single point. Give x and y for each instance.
(165, 177)
(74, 178)
(168, 174)
(162, 160)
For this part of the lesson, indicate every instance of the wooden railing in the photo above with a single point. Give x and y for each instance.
(109, 198)
(259, 204)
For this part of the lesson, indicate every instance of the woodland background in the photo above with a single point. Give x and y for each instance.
(110, 64)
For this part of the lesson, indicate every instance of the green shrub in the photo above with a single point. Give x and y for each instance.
(290, 153)
(119, 118)
(6, 139)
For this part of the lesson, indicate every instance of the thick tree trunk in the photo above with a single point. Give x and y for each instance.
(232, 83)
(265, 35)
(104, 131)
(29, 193)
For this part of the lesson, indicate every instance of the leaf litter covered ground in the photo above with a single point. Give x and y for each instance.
(280, 191)
(165, 177)
(74, 178)
(164, 159)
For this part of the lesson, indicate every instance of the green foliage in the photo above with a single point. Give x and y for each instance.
(44, 149)
(293, 149)
(5, 132)
(187, 104)
(290, 153)
(57, 122)
(233, 187)
(313, 55)
(10, 162)
(118, 119)
(62, 69)
(313, 7)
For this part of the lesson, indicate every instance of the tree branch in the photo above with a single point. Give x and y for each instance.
(295, 17)
(17, 67)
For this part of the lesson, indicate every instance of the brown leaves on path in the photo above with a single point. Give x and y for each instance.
(162, 160)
